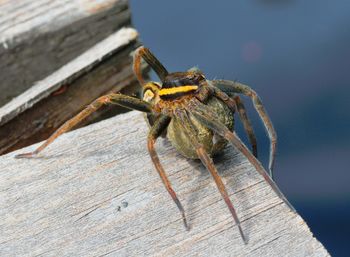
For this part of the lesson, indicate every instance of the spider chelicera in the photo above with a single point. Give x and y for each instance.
(197, 116)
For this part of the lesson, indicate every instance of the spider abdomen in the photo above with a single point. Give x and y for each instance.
(212, 142)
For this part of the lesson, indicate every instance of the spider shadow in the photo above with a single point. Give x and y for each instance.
(47, 155)
(43, 157)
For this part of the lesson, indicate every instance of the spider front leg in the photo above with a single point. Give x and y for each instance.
(205, 115)
(188, 128)
(144, 53)
(234, 87)
(157, 129)
(119, 99)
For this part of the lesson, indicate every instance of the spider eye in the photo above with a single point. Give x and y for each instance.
(196, 77)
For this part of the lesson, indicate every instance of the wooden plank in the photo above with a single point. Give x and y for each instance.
(36, 113)
(39, 36)
(95, 192)
(82, 64)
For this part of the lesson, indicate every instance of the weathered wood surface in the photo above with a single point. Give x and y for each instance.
(39, 36)
(95, 192)
(36, 113)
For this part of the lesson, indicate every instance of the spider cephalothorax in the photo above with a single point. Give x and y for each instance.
(179, 92)
(197, 116)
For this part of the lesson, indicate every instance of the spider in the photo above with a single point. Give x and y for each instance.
(195, 114)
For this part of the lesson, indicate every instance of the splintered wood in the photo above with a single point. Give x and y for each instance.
(95, 192)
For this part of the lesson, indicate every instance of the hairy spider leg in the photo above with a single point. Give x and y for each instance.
(144, 53)
(205, 115)
(234, 102)
(247, 125)
(119, 99)
(187, 125)
(157, 129)
(235, 87)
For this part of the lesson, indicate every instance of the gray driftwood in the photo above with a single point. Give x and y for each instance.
(36, 113)
(95, 192)
(39, 36)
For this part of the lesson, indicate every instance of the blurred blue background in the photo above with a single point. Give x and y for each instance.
(296, 55)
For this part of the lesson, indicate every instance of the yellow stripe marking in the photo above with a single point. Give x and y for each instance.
(174, 90)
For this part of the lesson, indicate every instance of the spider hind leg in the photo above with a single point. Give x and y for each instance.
(204, 114)
(235, 103)
(187, 125)
(229, 86)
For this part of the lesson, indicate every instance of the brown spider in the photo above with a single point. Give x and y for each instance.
(197, 116)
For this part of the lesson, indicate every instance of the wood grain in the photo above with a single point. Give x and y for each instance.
(36, 113)
(39, 36)
(95, 192)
